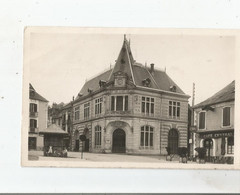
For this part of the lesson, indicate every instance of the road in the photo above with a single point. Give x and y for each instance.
(98, 157)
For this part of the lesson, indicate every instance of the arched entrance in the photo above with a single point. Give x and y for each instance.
(119, 141)
(173, 141)
(208, 144)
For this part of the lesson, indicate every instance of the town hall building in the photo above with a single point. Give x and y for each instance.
(130, 108)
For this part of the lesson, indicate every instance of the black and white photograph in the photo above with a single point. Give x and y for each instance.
(128, 98)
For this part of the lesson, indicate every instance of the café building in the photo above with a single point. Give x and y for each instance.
(214, 122)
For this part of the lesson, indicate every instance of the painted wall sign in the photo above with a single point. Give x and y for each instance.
(216, 135)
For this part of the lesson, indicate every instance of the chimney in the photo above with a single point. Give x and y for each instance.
(152, 68)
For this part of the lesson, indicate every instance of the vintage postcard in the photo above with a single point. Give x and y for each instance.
(130, 98)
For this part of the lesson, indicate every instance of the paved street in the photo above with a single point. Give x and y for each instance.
(96, 157)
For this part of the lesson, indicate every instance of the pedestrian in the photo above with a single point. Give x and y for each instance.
(50, 151)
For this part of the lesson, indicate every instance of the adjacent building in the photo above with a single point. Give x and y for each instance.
(38, 113)
(131, 108)
(61, 116)
(214, 122)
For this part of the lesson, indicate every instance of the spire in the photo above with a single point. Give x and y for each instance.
(124, 61)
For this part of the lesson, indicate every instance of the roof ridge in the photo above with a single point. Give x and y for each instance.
(221, 92)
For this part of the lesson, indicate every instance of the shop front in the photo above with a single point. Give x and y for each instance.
(217, 143)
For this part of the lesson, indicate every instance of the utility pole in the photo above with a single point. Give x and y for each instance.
(192, 120)
(193, 95)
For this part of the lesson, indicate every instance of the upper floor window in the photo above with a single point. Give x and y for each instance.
(119, 103)
(226, 116)
(98, 133)
(98, 106)
(77, 113)
(33, 125)
(230, 145)
(202, 120)
(147, 105)
(174, 109)
(69, 118)
(86, 110)
(146, 136)
(64, 118)
(33, 107)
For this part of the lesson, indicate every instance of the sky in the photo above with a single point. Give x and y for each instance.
(61, 62)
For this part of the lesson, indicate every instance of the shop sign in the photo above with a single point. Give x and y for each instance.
(216, 135)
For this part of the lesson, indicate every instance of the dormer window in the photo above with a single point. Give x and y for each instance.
(90, 90)
(173, 88)
(102, 83)
(146, 82)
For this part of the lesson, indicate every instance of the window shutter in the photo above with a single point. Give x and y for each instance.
(202, 120)
(226, 116)
(35, 107)
(35, 123)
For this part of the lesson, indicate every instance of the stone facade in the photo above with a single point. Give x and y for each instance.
(131, 122)
(124, 124)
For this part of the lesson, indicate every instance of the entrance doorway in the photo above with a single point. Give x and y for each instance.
(208, 144)
(173, 141)
(119, 141)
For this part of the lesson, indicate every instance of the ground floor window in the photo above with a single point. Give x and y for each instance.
(32, 143)
(146, 136)
(230, 145)
(98, 136)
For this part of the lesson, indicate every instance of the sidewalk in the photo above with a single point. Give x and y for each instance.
(98, 157)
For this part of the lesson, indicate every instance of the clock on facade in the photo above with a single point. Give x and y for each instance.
(120, 81)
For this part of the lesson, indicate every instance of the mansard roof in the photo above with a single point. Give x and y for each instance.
(34, 95)
(225, 95)
(136, 72)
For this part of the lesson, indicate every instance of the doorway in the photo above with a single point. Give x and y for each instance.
(119, 141)
(173, 141)
(208, 144)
